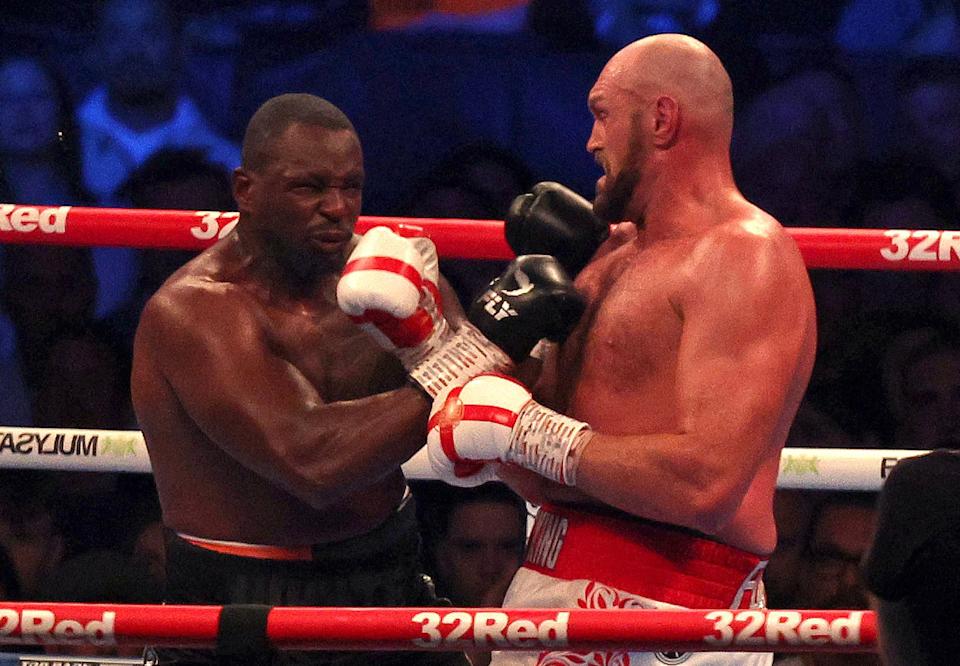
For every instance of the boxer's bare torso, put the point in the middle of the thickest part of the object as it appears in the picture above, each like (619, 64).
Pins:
(222, 472)
(629, 369)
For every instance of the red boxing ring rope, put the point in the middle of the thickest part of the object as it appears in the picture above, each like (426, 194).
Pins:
(449, 629)
(878, 249)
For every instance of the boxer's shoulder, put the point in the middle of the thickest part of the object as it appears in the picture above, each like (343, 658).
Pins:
(752, 241)
(198, 301)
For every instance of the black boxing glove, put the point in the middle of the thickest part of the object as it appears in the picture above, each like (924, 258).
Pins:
(555, 220)
(533, 299)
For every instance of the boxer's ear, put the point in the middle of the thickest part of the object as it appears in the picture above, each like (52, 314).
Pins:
(666, 121)
(241, 185)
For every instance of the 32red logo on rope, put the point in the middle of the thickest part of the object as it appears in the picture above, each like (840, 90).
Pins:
(214, 224)
(921, 245)
(27, 219)
(42, 626)
(752, 627)
(489, 629)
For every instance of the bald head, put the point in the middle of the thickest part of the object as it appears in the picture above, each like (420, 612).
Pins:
(680, 67)
(662, 105)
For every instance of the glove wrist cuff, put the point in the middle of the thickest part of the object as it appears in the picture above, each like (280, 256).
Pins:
(454, 360)
(548, 443)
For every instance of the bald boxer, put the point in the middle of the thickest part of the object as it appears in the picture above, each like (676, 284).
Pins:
(276, 426)
(654, 439)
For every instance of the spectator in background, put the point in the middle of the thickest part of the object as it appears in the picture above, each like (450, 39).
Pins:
(902, 192)
(469, 15)
(852, 374)
(619, 22)
(139, 108)
(911, 565)
(921, 380)
(100, 576)
(136, 111)
(793, 510)
(496, 174)
(841, 530)
(829, 573)
(901, 27)
(39, 150)
(474, 542)
(39, 164)
(796, 147)
(83, 382)
(44, 290)
(28, 528)
(473, 539)
(929, 116)
(563, 25)
(177, 179)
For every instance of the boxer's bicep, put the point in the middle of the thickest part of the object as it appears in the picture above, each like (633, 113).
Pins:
(234, 388)
(744, 334)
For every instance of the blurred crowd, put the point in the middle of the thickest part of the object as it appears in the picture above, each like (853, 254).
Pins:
(848, 115)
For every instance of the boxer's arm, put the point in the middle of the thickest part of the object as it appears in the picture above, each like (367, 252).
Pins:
(262, 411)
(745, 352)
(452, 308)
(538, 489)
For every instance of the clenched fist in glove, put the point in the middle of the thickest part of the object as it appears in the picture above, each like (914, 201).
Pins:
(495, 418)
(553, 219)
(389, 288)
(533, 299)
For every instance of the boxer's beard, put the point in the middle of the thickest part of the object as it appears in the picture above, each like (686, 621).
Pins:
(611, 203)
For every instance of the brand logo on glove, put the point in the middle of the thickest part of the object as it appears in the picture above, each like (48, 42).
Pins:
(497, 307)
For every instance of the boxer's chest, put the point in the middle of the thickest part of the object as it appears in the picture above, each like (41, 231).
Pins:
(332, 353)
(631, 331)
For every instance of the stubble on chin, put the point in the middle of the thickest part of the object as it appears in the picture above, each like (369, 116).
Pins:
(610, 205)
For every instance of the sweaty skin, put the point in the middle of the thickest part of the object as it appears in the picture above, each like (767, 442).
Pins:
(700, 333)
(269, 416)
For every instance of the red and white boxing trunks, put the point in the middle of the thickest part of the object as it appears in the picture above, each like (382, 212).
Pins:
(577, 559)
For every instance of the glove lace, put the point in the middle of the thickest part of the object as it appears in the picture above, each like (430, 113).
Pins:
(548, 443)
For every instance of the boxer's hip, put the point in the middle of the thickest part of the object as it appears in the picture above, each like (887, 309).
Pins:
(380, 568)
(585, 560)
(650, 560)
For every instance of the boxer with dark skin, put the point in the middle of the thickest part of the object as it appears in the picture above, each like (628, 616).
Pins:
(270, 417)
(275, 426)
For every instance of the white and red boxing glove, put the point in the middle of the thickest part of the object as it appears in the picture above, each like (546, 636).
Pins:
(495, 418)
(389, 288)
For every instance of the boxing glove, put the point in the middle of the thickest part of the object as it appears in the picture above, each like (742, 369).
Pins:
(389, 288)
(533, 299)
(495, 418)
(553, 219)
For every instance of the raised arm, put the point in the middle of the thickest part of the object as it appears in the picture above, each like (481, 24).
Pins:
(744, 359)
(260, 409)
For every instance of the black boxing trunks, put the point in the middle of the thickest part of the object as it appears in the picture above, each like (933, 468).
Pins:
(380, 568)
